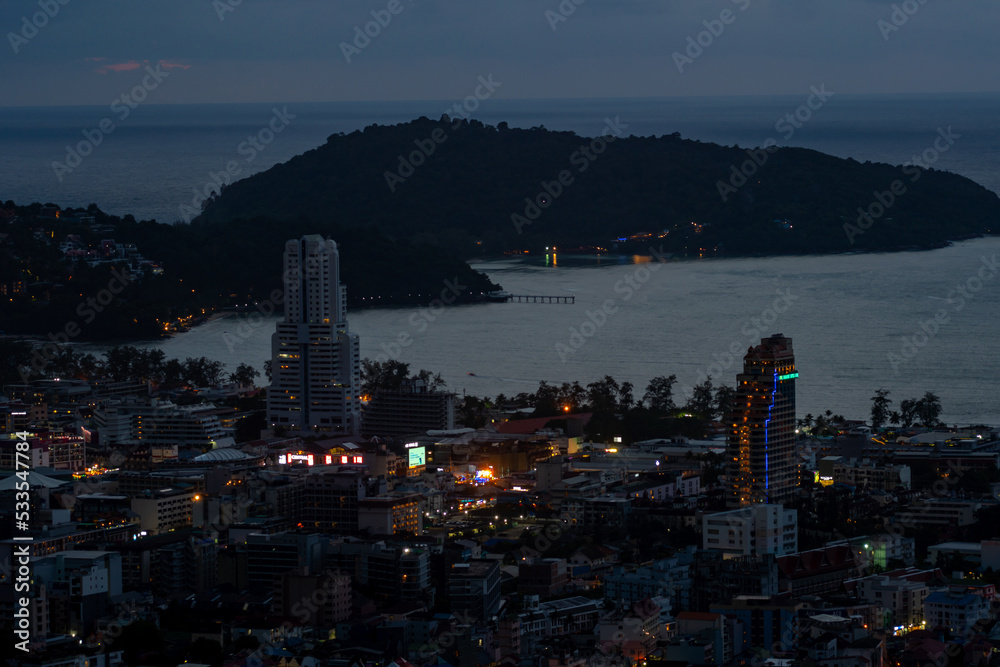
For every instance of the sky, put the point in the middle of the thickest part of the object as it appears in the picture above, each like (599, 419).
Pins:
(79, 52)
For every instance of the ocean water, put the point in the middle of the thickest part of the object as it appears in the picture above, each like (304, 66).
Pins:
(858, 323)
(154, 160)
(909, 322)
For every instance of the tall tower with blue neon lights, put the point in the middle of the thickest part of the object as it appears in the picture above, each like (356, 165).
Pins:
(760, 446)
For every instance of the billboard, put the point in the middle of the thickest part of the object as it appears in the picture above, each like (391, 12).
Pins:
(417, 457)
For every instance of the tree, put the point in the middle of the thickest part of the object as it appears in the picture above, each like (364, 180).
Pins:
(603, 394)
(267, 371)
(626, 398)
(806, 423)
(118, 363)
(702, 401)
(382, 376)
(907, 412)
(434, 381)
(659, 394)
(244, 375)
(724, 399)
(173, 373)
(880, 408)
(202, 372)
(928, 409)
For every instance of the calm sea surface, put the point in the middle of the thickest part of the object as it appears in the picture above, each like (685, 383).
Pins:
(846, 314)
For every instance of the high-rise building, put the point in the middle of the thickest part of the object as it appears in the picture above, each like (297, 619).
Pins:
(761, 427)
(315, 360)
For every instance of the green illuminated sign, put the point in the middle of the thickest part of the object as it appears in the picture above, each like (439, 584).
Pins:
(790, 376)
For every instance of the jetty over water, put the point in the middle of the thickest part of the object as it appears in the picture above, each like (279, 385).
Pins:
(530, 298)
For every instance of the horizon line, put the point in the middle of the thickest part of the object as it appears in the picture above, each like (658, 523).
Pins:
(525, 99)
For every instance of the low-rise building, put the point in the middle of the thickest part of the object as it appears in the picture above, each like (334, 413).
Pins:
(955, 613)
(900, 592)
(165, 509)
(753, 530)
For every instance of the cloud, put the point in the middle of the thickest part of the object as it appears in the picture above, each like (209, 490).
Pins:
(121, 67)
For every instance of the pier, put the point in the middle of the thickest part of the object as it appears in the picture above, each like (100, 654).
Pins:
(530, 298)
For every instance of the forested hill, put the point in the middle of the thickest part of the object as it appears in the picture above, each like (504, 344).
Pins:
(469, 182)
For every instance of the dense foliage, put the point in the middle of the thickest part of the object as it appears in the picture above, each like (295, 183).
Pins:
(206, 267)
(463, 196)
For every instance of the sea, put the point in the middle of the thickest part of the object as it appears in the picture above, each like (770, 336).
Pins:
(909, 322)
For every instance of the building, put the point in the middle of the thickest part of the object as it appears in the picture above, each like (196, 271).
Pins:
(389, 572)
(717, 578)
(163, 510)
(768, 623)
(321, 600)
(864, 474)
(885, 550)
(667, 578)
(269, 556)
(817, 571)
(938, 513)
(66, 453)
(78, 586)
(716, 628)
(388, 515)
(543, 577)
(752, 530)
(901, 593)
(169, 565)
(315, 360)
(159, 424)
(474, 589)
(166, 424)
(558, 618)
(415, 408)
(955, 612)
(760, 446)
(633, 632)
(331, 499)
(593, 512)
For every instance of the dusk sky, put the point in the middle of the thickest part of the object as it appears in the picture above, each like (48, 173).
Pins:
(90, 52)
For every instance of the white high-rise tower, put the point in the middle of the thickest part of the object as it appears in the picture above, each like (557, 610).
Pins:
(315, 360)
